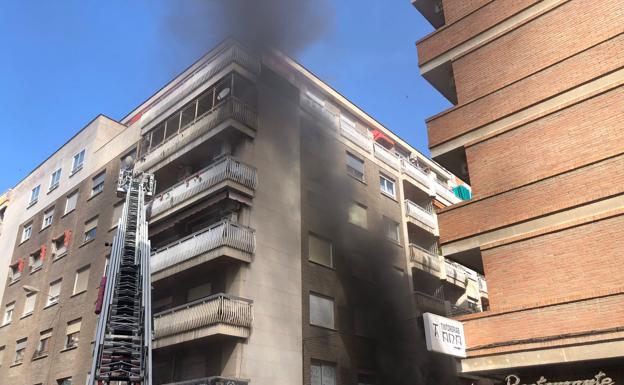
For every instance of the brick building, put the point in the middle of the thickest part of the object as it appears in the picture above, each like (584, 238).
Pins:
(537, 130)
(277, 199)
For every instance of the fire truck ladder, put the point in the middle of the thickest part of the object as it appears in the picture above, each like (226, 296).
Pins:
(122, 351)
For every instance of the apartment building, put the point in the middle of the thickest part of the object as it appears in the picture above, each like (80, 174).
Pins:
(536, 129)
(279, 204)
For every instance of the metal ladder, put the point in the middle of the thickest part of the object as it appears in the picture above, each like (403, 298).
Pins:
(122, 351)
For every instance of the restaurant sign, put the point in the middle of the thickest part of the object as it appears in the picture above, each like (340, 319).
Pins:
(444, 335)
(599, 379)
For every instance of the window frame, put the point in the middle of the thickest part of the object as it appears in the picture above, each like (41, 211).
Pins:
(51, 299)
(55, 179)
(365, 208)
(323, 364)
(78, 161)
(27, 228)
(333, 310)
(353, 172)
(81, 270)
(9, 309)
(44, 339)
(68, 198)
(383, 182)
(90, 229)
(26, 313)
(72, 339)
(397, 228)
(20, 352)
(331, 250)
(34, 195)
(48, 214)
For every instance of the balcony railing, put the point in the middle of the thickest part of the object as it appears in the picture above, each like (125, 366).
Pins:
(424, 257)
(443, 191)
(212, 381)
(205, 312)
(420, 213)
(231, 108)
(455, 273)
(415, 172)
(360, 139)
(223, 233)
(386, 156)
(224, 169)
(482, 284)
(233, 55)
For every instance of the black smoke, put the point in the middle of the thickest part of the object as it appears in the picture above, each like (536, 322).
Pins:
(287, 25)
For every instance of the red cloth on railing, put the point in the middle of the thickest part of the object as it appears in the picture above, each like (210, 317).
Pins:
(67, 237)
(100, 297)
(378, 136)
(20, 264)
(43, 252)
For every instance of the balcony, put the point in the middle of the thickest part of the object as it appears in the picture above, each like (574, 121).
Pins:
(349, 131)
(386, 156)
(219, 314)
(223, 172)
(425, 259)
(422, 215)
(442, 190)
(232, 112)
(212, 381)
(415, 172)
(483, 290)
(223, 239)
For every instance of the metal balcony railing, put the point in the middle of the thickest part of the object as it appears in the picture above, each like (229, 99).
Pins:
(424, 257)
(415, 172)
(355, 136)
(226, 168)
(386, 156)
(231, 108)
(420, 213)
(224, 233)
(208, 311)
(212, 381)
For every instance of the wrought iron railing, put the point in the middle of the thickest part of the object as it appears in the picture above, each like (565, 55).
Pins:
(212, 310)
(226, 168)
(224, 233)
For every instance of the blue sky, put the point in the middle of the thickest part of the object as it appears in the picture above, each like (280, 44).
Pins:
(65, 62)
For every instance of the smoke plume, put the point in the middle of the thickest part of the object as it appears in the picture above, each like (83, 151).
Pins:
(287, 25)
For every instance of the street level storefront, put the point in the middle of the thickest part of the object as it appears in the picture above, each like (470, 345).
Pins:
(602, 372)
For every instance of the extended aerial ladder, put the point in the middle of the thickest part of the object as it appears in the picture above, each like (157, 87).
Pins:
(123, 342)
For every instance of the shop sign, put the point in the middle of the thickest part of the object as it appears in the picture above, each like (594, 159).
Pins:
(444, 335)
(599, 379)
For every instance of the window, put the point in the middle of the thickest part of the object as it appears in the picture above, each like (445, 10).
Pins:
(59, 246)
(34, 195)
(319, 250)
(8, 313)
(54, 292)
(97, 183)
(44, 342)
(90, 229)
(358, 215)
(15, 272)
(78, 161)
(82, 280)
(48, 217)
(73, 333)
(322, 373)
(2, 348)
(55, 180)
(392, 229)
(316, 99)
(321, 311)
(117, 211)
(64, 381)
(29, 304)
(70, 204)
(35, 261)
(355, 166)
(387, 186)
(20, 349)
(27, 232)
(200, 291)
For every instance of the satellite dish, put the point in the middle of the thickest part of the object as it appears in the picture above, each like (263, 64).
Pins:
(223, 94)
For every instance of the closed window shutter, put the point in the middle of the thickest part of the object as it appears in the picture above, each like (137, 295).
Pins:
(74, 327)
(82, 279)
(29, 305)
(319, 250)
(21, 344)
(46, 334)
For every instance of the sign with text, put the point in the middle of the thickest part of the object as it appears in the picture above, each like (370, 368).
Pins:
(444, 335)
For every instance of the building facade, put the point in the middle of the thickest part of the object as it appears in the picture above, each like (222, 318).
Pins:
(284, 218)
(536, 129)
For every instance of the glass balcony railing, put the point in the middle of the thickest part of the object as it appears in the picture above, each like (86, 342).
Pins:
(224, 169)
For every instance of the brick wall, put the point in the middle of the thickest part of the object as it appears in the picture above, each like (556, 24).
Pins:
(456, 9)
(466, 28)
(570, 263)
(542, 42)
(583, 316)
(604, 57)
(582, 185)
(561, 142)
